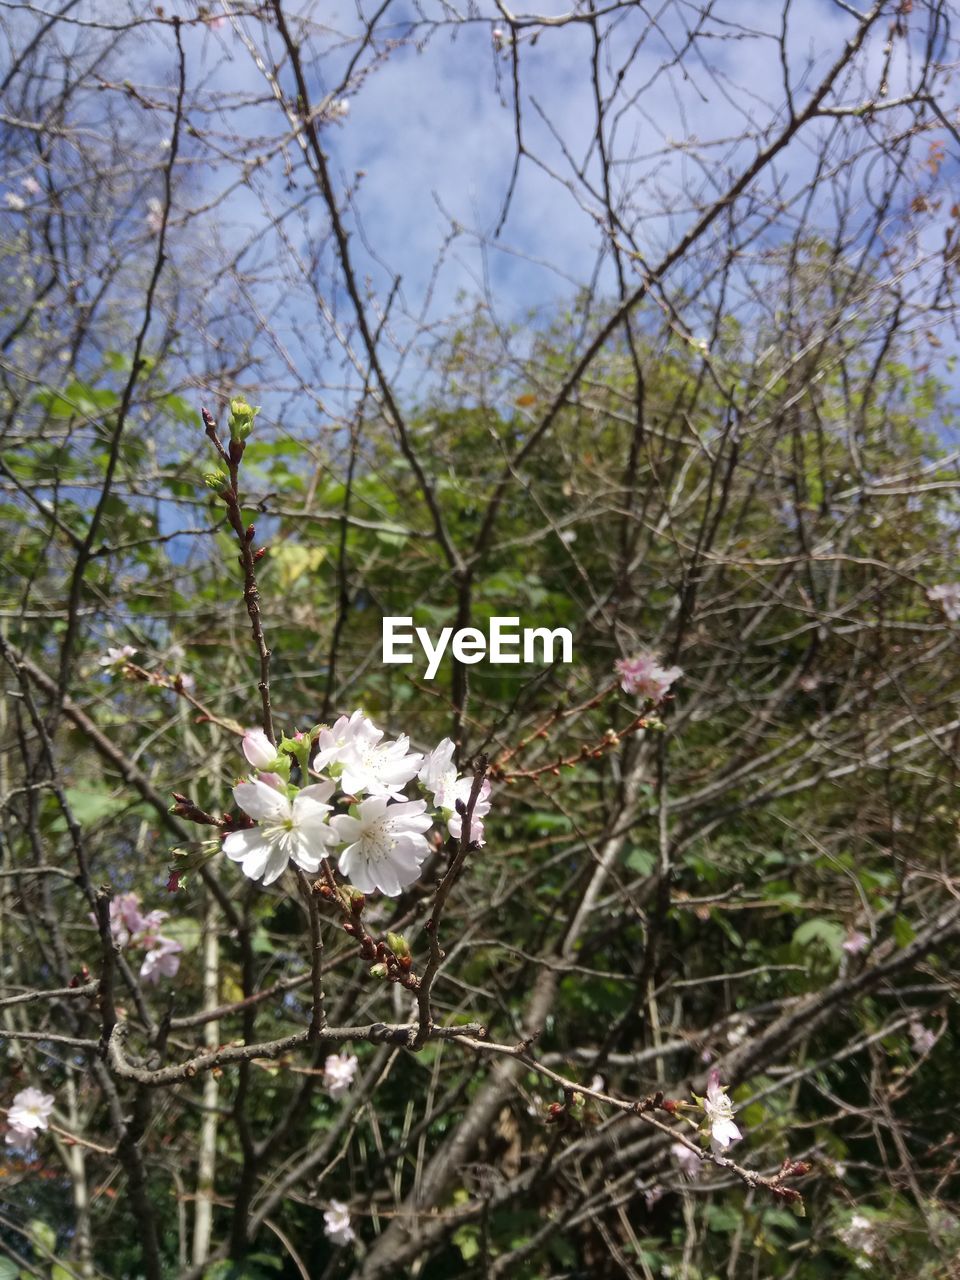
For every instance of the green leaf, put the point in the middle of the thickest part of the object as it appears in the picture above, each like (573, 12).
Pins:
(641, 861)
(903, 931)
(825, 933)
(721, 1218)
(183, 930)
(467, 1240)
(89, 806)
(42, 1235)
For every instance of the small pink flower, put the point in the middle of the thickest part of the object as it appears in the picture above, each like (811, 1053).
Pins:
(31, 186)
(921, 1037)
(163, 960)
(688, 1160)
(125, 918)
(855, 942)
(653, 1194)
(644, 675)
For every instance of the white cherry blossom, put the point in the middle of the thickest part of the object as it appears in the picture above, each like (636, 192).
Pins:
(28, 1115)
(385, 844)
(719, 1113)
(333, 742)
(947, 596)
(336, 1223)
(338, 1073)
(116, 657)
(375, 767)
(287, 830)
(480, 811)
(439, 776)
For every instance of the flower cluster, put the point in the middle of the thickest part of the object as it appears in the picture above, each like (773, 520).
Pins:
(357, 809)
(130, 928)
(645, 675)
(27, 1116)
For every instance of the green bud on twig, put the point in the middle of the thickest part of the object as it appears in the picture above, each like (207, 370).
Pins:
(241, 418)
(398, 945)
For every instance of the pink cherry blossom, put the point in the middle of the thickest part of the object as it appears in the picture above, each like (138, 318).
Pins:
(922, 1038)
(688, 1160)
(855, 942)
(643, 674)
(162, 961)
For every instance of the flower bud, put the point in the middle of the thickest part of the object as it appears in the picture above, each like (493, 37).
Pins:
(258, 749)
(398, 945)
(355, 900)
(378, 971)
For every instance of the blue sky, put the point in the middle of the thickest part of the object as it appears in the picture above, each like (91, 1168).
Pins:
(431, 126)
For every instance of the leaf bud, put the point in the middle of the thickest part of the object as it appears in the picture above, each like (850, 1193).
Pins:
(398, 945)
(241, 419)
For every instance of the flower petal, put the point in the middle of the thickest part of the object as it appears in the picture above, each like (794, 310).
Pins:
(240, 844)
(356, 868)
(276, 864)
(261, 802)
